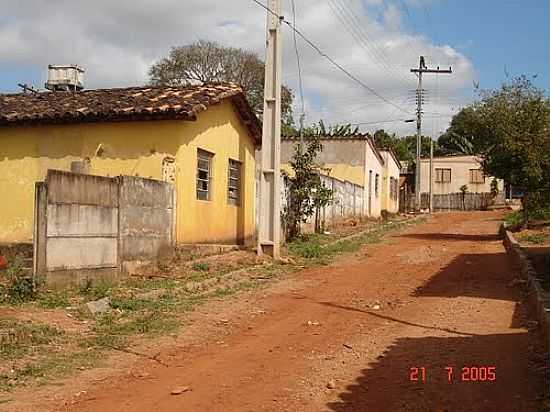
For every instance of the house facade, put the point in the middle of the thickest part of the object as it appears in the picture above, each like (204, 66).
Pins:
(201, 139)
(390, 181)
(357, 161)
(450, 173)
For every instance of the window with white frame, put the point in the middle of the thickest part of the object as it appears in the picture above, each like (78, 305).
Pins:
(204, 175)
(234, 182)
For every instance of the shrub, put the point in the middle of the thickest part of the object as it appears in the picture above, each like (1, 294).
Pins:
(200, 266)
(514, 220)
(20, 286)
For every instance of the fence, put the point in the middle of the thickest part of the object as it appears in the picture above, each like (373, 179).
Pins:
(92, 226)
(450, 201)
(347, 200)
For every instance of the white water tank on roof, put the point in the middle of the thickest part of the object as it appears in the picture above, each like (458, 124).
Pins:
(65, 77)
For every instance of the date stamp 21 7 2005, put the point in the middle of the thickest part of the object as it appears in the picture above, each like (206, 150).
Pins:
(464, 374)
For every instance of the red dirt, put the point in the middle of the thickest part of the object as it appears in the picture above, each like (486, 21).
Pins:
(443, 302)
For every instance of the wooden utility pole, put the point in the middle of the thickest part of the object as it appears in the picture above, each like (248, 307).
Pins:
(419, 95)
(269, 231)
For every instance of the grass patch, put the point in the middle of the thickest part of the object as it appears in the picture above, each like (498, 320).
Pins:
(54, 299)
(18, 339)
(200, 266)
(50, 366)
(307, 249)
(316, 249)
(534, 238)
(94, 290)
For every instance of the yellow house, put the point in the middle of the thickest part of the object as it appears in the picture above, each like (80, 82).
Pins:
(200, 138)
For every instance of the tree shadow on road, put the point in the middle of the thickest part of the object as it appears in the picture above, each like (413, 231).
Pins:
(385, 385)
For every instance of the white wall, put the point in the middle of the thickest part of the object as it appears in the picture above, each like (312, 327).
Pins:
(391, 169)
(373, 168)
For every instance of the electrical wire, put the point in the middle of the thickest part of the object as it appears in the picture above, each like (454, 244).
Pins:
(352, 24)
(327, 57)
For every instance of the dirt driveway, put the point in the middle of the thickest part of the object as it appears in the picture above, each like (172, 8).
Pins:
(345, 337)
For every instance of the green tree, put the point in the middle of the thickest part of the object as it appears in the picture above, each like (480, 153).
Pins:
(515, 122)
(321, 130)
(464, 135)
(404, 147)
(206, 62)
(306, 194)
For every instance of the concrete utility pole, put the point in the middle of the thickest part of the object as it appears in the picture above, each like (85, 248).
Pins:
(431, 174)
(269, 231)
(419, 96)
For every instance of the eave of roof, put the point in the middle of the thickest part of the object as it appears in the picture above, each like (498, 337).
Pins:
(125, 104)
(375, 149)
(392, 153)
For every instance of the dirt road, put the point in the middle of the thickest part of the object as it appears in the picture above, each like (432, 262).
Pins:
(432, 297)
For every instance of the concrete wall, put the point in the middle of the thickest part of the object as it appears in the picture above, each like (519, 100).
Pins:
(146, 218)
(93, 226)
(391, 171)
(460, 175)
(347, 200)
(135, 149)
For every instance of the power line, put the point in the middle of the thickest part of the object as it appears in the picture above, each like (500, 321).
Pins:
(378, 122)
(352, 24)
(327, 57)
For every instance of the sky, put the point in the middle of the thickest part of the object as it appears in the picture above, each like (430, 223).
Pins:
(377, 41)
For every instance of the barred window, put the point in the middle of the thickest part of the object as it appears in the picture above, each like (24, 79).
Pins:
(234, 182)
(204, 174)
(443, 175)
(476, 176)
(376, 185)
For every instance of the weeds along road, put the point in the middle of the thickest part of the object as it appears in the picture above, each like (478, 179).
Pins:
(435, 296)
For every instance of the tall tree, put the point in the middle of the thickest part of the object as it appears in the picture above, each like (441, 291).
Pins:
(206, 61)
(464, 135)
(515, 147)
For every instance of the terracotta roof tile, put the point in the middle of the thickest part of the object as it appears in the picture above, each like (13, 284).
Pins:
(124, 104)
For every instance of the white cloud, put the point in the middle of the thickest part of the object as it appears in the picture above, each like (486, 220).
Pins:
(116, 42)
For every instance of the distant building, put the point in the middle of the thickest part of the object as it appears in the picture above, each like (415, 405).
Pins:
(450, 173)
